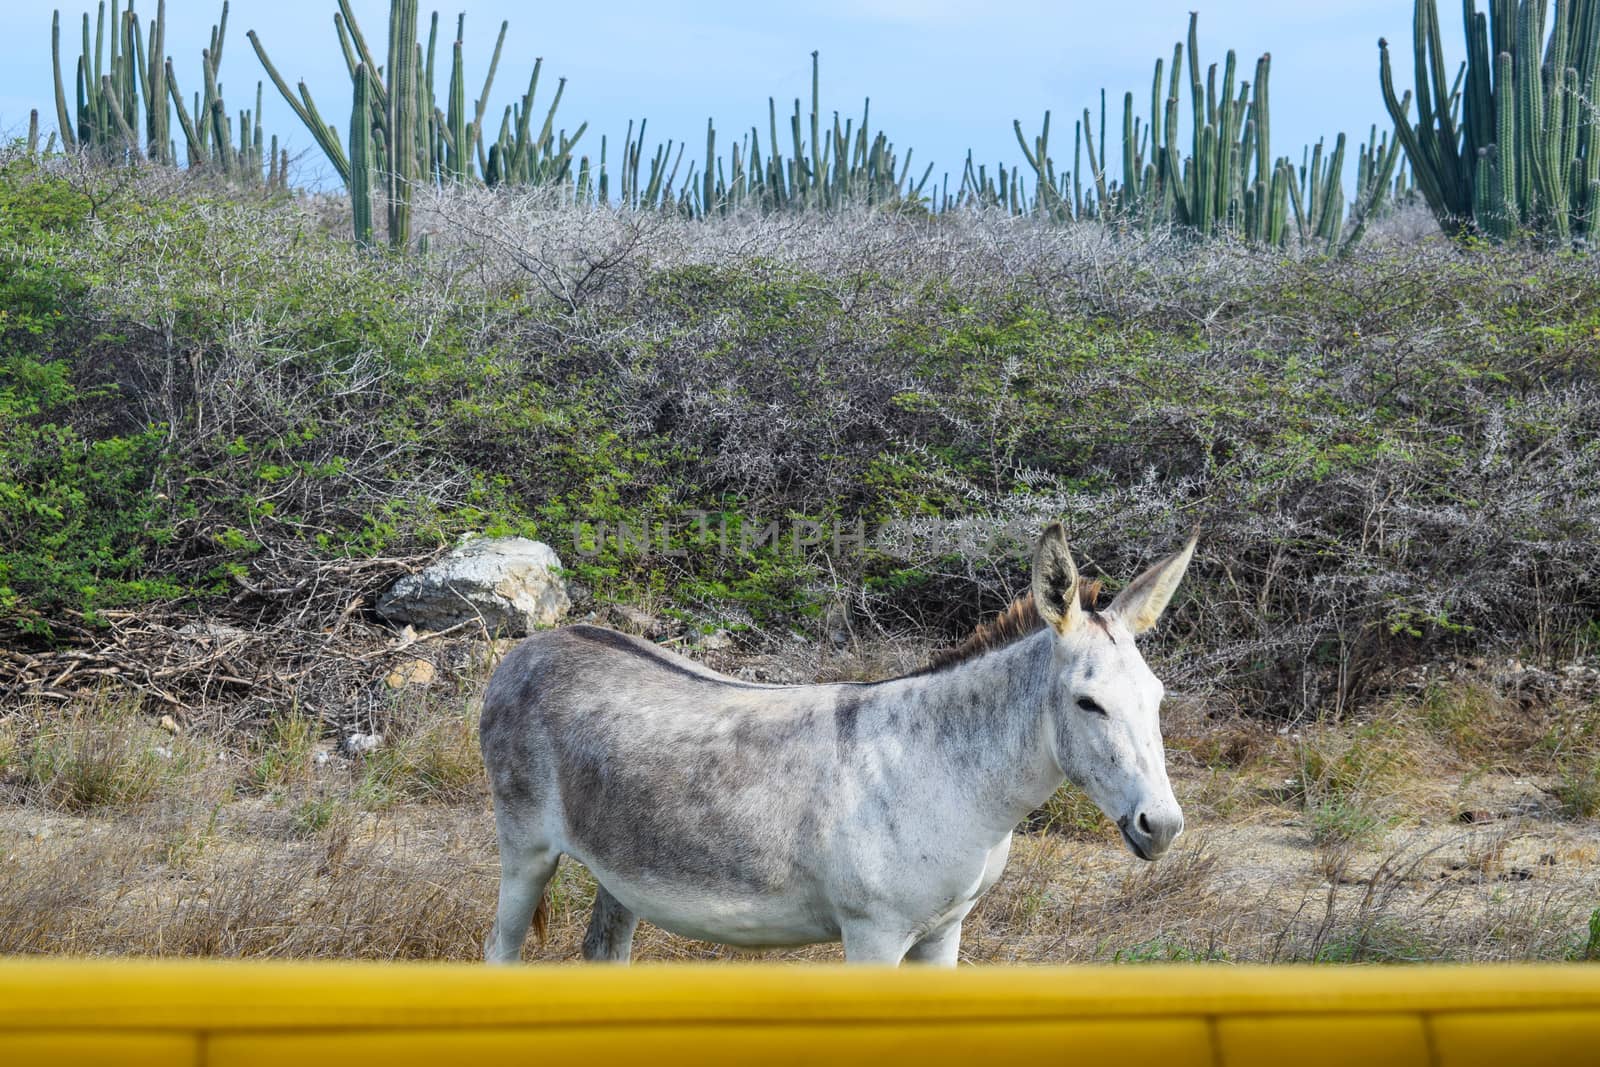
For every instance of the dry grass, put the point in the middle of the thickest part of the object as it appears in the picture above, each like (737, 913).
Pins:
(429, 755)
(97, 756)
(281, 846)
(1578, 788)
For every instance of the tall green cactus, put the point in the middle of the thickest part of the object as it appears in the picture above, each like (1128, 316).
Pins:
(361, 156)
(829, 166)
(413, 139)
(139, 81)
(1376, 185)
(401, 131)
(1229, 182)
(1523, 158)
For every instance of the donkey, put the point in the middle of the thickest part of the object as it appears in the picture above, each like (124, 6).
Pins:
(876, 813)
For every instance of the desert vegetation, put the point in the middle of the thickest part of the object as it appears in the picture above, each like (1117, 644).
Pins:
(1390, 454)
(1502, 152)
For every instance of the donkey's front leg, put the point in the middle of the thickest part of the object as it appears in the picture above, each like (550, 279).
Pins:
(869, 942)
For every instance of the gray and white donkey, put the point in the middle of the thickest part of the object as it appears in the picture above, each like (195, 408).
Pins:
(877, 813)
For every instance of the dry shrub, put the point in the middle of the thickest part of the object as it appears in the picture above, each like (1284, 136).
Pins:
(283, 754)
(1484, 853)
(55, 894)
(97, 756)
(121, 893)
(1232, 742)
(1578, 786)
(1349, 780)
(381, 905)
(1477, 723)
(429, 754)
(1070, 813)
(1181, 880)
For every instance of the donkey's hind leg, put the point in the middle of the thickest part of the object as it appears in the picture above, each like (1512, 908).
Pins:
(941, 947)
(524, 874)
(611, 927)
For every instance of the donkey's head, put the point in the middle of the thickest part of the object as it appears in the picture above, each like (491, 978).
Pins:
(1105, 700)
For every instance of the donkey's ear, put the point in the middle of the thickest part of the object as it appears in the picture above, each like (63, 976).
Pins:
(1141, 603)
(1055, 581)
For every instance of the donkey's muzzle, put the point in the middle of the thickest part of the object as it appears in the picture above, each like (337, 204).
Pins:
(1149, 832)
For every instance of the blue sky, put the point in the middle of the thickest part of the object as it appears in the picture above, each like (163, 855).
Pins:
(943, 76)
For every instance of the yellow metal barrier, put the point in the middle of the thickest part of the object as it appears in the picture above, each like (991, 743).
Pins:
(230, 1014)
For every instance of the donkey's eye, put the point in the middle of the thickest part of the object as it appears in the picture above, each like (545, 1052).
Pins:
(1091, 705)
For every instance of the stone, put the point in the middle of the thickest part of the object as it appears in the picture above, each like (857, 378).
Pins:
(411, 672)
(716, 642)
(509, 583)
(632, 620)
(359, 744)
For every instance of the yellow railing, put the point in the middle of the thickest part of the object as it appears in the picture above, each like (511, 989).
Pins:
(65, 1012)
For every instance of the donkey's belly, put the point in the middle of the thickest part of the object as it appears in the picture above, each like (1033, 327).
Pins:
(723, 914)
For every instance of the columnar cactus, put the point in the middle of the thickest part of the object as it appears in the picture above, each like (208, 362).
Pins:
(400, 132)
(1228, 183)
(413, 139)
(361, 155)
(829, 166)
(1523, 158)
(124, 82)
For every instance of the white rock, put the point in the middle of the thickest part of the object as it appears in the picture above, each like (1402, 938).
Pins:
(717, 641)
(507, 582)
(359, 744)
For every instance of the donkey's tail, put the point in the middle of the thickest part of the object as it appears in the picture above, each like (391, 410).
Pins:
(541, 917)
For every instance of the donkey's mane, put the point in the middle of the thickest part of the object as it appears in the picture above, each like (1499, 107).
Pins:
(1019, 619)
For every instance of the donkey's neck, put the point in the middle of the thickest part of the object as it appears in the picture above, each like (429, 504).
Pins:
(988, 722)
